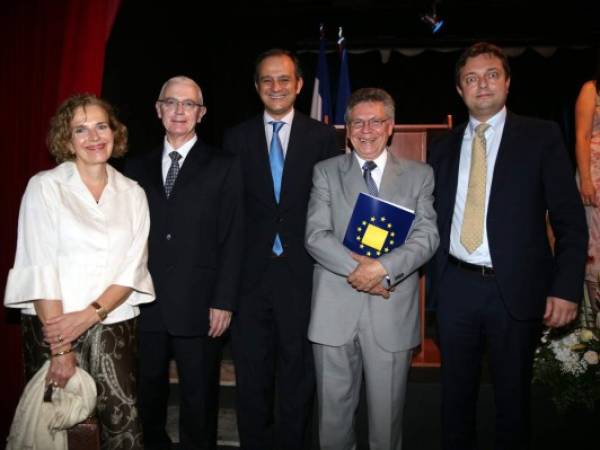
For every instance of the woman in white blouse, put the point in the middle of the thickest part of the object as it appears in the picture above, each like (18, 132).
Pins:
(80, 268)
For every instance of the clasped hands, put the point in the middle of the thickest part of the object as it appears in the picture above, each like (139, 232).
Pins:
(60, 332)
(368, 275)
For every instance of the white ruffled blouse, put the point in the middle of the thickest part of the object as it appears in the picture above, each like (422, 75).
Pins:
(71, 248)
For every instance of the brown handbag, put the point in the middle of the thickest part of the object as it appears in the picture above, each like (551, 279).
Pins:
(85, 435)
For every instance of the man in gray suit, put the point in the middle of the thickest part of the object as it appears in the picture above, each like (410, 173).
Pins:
(365, 310)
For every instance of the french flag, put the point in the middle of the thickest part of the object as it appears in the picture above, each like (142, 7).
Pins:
(320, 108)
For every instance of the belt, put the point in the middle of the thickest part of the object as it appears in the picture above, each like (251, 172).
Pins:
(484, 271)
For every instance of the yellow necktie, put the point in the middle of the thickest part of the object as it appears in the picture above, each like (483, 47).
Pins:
(471, 235)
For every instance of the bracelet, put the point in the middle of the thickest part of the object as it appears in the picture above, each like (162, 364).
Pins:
(61, 353)
(100, 310)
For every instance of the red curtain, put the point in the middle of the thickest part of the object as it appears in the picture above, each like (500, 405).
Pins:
(49, 50)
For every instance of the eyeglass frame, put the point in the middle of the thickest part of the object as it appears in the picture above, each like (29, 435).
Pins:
(173, 104)
(374, 123)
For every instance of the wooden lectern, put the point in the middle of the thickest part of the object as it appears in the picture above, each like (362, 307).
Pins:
(410, 141)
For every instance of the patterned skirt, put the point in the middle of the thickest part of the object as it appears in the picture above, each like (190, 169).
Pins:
(107, 353)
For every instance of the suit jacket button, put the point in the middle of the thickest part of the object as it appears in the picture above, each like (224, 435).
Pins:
(168, 236)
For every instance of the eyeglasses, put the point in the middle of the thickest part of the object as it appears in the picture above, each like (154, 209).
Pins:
(173, 104)
(373, 123)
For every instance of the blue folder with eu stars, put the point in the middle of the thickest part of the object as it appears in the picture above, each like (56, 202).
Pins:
(377, 226)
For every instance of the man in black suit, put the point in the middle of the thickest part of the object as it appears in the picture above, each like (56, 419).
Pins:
(494, 275)
(195, 248)
(278, 150)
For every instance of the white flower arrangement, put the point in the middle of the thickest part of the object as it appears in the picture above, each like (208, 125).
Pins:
(567, 362)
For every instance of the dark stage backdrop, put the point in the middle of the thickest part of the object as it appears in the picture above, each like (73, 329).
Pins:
(218, 49)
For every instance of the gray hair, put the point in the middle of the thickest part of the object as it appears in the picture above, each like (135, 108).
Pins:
(180, 79)
(371, 95)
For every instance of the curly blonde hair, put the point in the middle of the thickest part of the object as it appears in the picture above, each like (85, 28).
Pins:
(60, 133)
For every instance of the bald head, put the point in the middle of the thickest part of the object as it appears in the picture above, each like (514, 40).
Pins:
(181, 79)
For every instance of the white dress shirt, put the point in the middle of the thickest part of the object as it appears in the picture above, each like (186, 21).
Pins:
(493, 136)
(377, 172)
(183, 151)
(71, 248)
(284, 132)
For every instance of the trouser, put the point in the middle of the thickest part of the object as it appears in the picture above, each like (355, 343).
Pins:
(273, 363)
(471, 317)
(196, 358)
(339, 374)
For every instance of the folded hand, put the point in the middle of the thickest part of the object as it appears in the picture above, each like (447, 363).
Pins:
(66, 328)
(367, 275)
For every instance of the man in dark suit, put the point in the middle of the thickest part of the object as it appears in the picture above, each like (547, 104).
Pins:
(494, 275)
(195, 248)
(278, 150)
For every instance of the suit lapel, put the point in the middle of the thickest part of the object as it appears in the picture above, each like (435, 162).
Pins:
(451, 172)
(389, 181)
(352, 181)
(258, 161)
(293, 159)
(508, 146)
(192, 166)
(154, 174)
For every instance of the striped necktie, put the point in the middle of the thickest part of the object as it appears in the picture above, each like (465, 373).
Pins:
(367, 167)
(172, 173)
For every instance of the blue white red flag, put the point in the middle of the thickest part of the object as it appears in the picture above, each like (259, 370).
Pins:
(320, 108)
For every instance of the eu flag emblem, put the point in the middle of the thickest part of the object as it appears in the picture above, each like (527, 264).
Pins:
(376, 226)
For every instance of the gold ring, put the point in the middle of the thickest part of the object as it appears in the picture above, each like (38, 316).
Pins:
(55, 384)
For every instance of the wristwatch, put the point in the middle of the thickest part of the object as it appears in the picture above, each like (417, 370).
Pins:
(102, 313)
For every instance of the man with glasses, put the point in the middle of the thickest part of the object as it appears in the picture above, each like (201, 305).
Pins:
(364, 310)
(278, 150)
(495, 277)
(195, 247)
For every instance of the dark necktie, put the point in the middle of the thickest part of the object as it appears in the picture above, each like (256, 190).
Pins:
(172, 173)
(276, 161)
(367, 167)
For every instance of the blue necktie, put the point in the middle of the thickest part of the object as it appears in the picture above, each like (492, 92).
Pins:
(367, 167)
(276, 161)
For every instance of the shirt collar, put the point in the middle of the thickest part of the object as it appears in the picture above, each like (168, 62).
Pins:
(497, 119)
(381, 160)
(183, 150)
(70, 176)
(288, 118)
